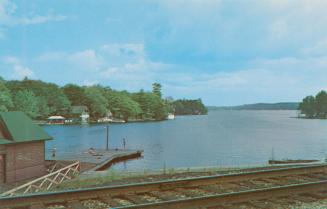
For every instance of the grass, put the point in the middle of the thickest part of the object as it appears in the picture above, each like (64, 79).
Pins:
(110, 176)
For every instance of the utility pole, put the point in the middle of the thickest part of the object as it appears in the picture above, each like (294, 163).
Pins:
(107, 147)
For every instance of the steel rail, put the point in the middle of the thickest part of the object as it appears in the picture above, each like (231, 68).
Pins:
(88, 193)
(234, 197)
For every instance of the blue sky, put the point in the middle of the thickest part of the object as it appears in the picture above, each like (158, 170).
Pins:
(226, 52)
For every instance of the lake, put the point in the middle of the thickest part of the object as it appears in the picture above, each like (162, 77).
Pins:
(221, 138)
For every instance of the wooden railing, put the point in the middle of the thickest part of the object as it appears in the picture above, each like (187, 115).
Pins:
(55, 166)
(46, 182)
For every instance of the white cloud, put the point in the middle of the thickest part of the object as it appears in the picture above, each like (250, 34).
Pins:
(192, 5)
(19, 71)
(263, 80)
(124, 65)
(6, 9)
(278, 29)
(317, 49)
(8, 18)
(289, 77)
(224, 27)
(39, 19)
(11, 60)
(52, 56)
(90, 82)
(87, 59)
(130, 49)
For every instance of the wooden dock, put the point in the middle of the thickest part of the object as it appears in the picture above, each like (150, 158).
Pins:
(99, 159)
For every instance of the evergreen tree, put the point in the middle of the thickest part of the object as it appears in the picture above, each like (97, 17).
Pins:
(308, 106)
(321, 104)
(156, 89)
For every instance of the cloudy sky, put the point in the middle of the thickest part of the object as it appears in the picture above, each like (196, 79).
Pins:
(226, 52)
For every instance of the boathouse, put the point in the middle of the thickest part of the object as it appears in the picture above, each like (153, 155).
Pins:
(81, 112)
(22, 148)
(56, 119)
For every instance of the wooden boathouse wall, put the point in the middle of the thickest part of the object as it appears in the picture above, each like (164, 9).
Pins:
(23, 161)
(22, 148)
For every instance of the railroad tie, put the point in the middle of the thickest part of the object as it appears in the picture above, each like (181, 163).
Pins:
(303, 198)
(264, 203)
(75, 204)
(135, 199)
(109, 201)
(37, 206)
(318, 196)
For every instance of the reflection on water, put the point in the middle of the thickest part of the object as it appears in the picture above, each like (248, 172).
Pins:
(220, 138)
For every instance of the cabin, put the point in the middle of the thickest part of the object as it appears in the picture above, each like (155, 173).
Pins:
(107, 118)
(82, 112)
(22, 148)
(56, 119)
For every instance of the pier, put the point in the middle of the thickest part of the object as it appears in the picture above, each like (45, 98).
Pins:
(97, 159)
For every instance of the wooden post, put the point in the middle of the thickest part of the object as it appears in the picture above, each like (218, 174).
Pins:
(107, 145)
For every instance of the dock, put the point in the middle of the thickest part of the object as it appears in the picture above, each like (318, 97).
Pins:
(97, 159)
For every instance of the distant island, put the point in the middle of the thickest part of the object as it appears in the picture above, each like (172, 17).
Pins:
(259, 106)
(314, 107)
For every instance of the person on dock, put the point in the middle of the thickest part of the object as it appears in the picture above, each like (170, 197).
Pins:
(124, 143)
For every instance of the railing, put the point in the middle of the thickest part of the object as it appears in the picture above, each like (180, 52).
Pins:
(56, 166)
(46, 182)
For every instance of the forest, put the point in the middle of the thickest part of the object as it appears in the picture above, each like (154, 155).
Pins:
(39, 100)
(189, 107)
(314, 106)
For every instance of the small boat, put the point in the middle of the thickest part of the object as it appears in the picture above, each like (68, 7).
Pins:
(171, 116)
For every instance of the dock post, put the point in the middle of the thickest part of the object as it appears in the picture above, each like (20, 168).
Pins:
(107, 145)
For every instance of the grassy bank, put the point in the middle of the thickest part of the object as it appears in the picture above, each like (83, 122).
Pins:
(115, 177)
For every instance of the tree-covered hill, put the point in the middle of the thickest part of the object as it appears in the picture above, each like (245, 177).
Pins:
(40, 99)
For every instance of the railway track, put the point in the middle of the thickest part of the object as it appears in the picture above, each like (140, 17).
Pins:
(259, 189)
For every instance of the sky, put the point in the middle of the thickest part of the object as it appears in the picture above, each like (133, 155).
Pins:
(226, 52)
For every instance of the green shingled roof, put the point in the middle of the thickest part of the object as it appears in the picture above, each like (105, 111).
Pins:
(20, 128)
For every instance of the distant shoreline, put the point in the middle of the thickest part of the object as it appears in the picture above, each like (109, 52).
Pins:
(259, 106)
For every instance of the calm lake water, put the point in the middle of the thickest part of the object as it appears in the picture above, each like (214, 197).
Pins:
(221, 138)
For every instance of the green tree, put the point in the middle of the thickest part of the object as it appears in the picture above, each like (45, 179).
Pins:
(144, 103)
(122, 105)
(96, 102)
(321, 104)
(27, 102)
(56, 100)
(156, 89)
(75, 94)
(308, 107)
(153, 107)
(128, 108)
(6, 102)
(44, 110)
(189, 107)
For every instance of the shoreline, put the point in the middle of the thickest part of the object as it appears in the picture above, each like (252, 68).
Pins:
(44, 123)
